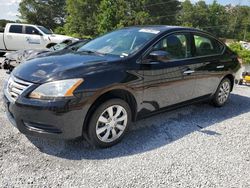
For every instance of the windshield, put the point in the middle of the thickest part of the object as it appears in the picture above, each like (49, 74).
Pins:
(45, 30)
(121, 42)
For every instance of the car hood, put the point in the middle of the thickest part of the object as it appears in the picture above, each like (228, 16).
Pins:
(56, 38)
(61, 65)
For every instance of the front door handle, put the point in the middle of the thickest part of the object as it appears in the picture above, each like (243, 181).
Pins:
(189, 72)
(220, 67)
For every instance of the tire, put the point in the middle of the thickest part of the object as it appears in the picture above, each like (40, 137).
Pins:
(103, 126)
(222, 93)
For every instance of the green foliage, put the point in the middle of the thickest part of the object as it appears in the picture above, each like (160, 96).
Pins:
(94, 17)
(114, 14)
(223, 21)
(3, 23)
(243, 53)
(82, 16)
(162, 12)
(49, 13)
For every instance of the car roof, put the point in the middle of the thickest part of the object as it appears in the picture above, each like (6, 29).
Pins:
(23, 24)
(163, 28)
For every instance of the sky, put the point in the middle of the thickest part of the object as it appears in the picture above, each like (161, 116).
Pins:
(9, 8)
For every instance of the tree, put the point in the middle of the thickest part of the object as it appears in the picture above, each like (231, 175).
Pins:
(119, 13)
(162, 12)
(94, 17)
(3, 23)
(82, 17)
(217, 19)
(186, 15)
(49, 13)
(114, 14)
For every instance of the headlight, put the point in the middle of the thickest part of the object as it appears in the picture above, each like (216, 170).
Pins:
(62, 88)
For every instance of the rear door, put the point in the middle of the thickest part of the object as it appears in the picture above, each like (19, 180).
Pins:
(210, 64)
(15, 38)
(169, 80)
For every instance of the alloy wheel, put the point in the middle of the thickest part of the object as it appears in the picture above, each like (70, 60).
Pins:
(224, 92)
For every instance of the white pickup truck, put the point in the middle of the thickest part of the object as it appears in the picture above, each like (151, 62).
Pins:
(25, 36)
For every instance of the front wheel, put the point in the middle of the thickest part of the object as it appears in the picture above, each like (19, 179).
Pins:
(109, 123)
(222, 94)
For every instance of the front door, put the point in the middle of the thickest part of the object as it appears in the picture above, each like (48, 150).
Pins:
(34, 39)
(168, 73)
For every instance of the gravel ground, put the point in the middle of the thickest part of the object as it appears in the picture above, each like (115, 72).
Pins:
(196, 146)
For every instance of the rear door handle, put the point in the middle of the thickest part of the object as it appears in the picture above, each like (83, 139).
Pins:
(220, 67)
(189, 72)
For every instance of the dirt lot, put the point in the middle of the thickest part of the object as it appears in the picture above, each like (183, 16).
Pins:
(196, 146)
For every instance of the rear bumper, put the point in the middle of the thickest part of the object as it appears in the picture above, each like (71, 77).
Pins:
(56, 119)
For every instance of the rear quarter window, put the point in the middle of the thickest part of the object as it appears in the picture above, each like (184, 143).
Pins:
(16, 29)
(205, 45)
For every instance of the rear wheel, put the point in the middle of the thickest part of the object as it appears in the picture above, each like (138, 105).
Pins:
(109, 123)
(222, 94)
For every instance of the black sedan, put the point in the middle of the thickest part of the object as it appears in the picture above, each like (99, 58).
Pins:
(117, 78)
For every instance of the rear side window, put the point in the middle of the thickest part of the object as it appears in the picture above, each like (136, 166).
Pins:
(207, 46)
(31, 30)
(16, 29)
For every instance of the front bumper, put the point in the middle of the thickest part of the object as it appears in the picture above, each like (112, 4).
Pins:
(62, 119)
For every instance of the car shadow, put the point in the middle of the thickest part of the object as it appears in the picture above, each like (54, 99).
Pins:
(152, 133)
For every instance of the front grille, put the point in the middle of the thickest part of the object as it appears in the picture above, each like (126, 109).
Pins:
(15, 87)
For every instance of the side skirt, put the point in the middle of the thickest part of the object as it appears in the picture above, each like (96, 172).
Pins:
(145, 113)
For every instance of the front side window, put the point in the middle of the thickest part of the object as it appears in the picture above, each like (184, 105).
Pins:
(16, 29)
(31, 31)
(206, 46)
(122, 42)
(176, 46)
(45, 30)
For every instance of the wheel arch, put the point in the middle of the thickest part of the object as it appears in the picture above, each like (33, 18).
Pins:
(231, 78)
(50, 45)
(123, 94)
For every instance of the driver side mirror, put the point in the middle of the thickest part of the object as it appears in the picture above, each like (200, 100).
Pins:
(159, 56)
